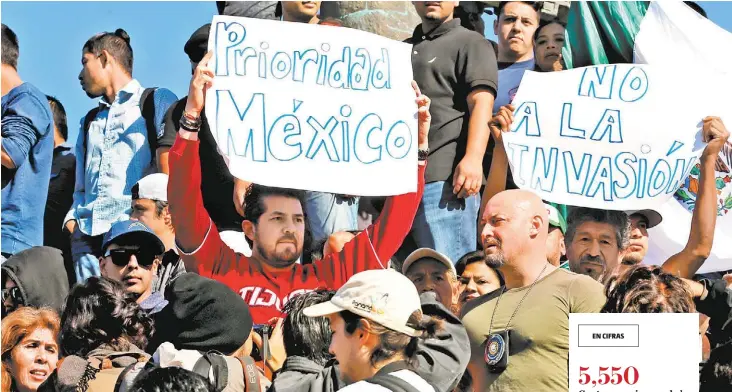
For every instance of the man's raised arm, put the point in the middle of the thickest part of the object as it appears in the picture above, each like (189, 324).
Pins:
(195, 234)
(685, 263)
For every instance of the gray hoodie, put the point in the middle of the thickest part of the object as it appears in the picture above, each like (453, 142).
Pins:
(441, 360)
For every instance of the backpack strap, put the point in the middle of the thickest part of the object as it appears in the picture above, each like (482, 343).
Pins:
(147, 108)
(251, 374)
(221, 373)
(386, 379)
(130, 373)
(84, 134)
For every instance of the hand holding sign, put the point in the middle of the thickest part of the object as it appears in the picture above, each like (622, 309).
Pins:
(715, 134)
(201, 81)
(501, 122)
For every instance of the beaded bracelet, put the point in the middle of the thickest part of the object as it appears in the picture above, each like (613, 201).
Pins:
(190, 123)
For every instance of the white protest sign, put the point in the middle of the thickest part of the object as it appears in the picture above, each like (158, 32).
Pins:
(611, 136)
(313, 107)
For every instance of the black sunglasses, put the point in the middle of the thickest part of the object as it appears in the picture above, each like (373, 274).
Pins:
(121, 257)
(12, 293)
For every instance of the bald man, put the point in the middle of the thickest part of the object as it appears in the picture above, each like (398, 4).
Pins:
(519, 334)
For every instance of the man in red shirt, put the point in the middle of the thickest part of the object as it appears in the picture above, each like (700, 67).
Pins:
(274, 224)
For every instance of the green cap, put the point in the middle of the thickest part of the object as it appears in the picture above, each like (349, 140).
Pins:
(557, 215)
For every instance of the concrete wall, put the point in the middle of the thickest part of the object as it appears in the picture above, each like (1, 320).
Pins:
(393, 19)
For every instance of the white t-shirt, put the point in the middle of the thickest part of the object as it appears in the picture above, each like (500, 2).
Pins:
(407, 375)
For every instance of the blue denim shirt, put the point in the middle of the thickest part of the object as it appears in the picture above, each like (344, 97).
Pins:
(117, 156)
(27, 137)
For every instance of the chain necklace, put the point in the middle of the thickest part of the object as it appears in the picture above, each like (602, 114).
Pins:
(490, 328)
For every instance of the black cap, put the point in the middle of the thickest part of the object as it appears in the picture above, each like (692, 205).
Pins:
(197, 45)
(202, 314)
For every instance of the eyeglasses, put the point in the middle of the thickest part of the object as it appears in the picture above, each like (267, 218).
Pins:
(12, 293)
(121, 257)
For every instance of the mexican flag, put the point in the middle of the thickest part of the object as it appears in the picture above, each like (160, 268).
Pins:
(672, 35)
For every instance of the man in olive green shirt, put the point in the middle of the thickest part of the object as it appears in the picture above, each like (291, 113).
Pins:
(529, 321)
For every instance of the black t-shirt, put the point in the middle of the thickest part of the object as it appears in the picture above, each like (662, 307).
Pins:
(448, 63)
(217, 183)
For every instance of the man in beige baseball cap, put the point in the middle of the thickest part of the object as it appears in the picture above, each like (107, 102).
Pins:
(432, 271)
(377, 321)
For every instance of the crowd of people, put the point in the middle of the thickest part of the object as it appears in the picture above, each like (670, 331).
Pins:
(154, 269)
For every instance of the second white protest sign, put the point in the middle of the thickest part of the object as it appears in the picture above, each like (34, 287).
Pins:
(611, 136)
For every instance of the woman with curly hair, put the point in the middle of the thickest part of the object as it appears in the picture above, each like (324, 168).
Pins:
(29, 348)
(102, 328)
(647, 289)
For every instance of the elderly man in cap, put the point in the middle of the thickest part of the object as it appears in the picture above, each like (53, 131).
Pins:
(431, 271)
(150, 206)
(131, 254)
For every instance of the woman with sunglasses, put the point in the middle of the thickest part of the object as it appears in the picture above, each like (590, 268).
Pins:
(29, 348)
(35, 277)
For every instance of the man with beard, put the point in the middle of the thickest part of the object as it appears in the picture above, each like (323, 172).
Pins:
(519, 335)
(114, 149)
(274, 224)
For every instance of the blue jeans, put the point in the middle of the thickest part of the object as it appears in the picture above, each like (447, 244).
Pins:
(328, 213)
(85, 251)
(446, 223)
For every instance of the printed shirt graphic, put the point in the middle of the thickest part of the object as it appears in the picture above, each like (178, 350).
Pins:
(267, 292)
(509, 79)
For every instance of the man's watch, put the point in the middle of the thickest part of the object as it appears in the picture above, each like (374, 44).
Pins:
(422, 154)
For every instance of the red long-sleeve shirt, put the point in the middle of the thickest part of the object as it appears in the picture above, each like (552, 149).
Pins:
(266, 292)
